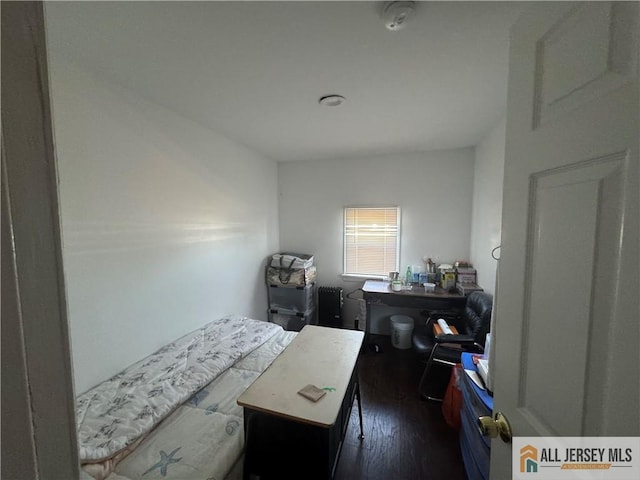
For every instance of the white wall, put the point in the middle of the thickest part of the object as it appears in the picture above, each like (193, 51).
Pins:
(434, 190)
(166, 225)
(487, 205)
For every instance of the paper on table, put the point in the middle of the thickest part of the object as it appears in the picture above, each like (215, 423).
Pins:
(312, 392)
(473, 375)
(445, 326)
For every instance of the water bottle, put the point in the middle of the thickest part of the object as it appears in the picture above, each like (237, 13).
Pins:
(409, 276)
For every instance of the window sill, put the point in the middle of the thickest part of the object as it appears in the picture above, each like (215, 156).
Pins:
(355, 277)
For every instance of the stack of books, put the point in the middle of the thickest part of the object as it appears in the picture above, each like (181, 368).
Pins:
(466, 278)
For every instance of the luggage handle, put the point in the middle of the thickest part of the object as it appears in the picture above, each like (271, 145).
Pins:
(287, 271)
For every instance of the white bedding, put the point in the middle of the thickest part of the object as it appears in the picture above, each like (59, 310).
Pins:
(118, 412)
(204, 438)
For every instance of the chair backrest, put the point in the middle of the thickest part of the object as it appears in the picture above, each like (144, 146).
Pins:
(478, 315)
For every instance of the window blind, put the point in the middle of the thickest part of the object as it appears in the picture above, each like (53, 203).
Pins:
(371, 240)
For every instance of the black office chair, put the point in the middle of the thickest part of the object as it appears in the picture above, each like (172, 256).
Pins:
(472, 325)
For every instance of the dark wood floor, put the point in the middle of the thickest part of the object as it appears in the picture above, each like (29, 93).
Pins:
(406, 438)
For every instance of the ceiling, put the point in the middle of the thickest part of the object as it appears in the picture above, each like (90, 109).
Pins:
(254, 71)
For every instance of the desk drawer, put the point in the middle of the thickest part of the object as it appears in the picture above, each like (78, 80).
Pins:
(453, 303)
(478, 447)
(473, 408)
(479, 450)
(470, 465)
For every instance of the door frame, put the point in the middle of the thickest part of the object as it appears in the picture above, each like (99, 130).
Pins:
(38, 407)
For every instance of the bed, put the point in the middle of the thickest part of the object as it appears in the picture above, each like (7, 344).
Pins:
(173, 415)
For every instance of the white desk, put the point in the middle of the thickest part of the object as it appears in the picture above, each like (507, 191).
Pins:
(324, 357)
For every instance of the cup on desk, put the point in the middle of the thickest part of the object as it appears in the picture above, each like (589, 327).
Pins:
(396, 285)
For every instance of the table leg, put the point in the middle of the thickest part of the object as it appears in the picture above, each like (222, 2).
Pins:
(361, 436)
(368, 344)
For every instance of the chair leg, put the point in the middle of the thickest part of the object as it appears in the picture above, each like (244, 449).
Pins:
(425, 374)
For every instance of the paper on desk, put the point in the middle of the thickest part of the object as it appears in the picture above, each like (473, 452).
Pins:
(444, 326)
(473, 375)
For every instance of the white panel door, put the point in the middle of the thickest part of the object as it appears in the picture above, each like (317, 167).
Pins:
(567, 322)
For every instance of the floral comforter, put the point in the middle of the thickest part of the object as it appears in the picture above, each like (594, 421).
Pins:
(118, 412)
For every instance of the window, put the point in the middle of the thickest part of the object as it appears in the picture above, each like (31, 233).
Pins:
(371, 240)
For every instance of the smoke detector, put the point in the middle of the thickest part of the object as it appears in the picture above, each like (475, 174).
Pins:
(396, 14)
(331, 100)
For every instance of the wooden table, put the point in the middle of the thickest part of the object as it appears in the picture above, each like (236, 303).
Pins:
(283, 428)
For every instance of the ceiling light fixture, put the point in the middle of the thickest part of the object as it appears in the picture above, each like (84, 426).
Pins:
(331, 100)
(396, 14)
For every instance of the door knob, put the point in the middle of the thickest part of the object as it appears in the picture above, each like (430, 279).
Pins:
(496, 426)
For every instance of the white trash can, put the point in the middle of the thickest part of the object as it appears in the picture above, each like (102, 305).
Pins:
(401, 331)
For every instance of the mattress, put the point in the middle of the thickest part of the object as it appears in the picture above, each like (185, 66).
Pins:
(201, 433)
